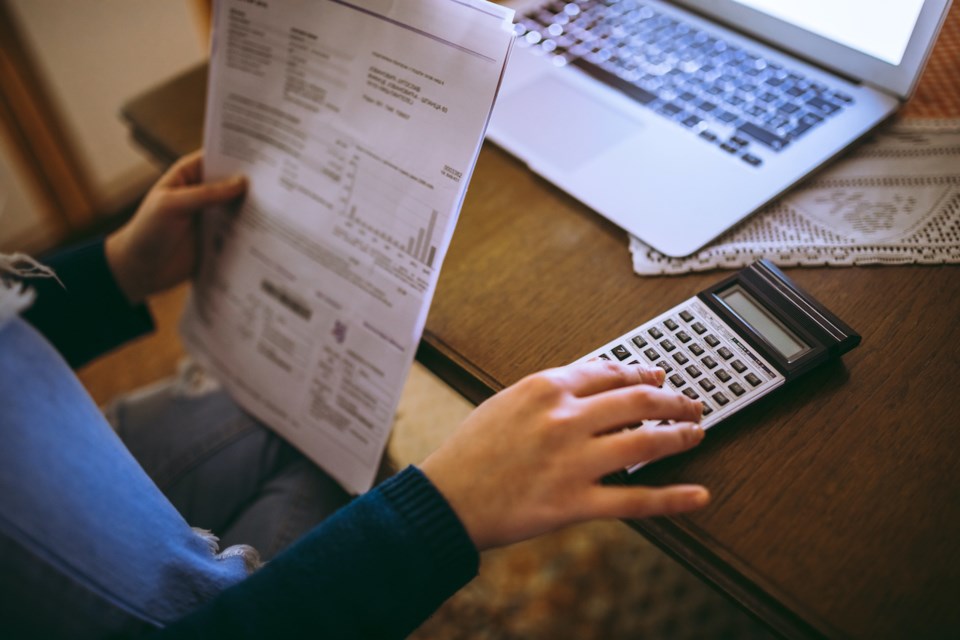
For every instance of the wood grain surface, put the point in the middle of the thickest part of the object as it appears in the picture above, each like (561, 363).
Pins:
(835, 506)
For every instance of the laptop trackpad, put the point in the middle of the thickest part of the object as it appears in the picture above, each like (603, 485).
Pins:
(563, 126)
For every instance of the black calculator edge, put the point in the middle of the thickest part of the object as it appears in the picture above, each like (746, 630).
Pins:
(847, 338)
(764, 275)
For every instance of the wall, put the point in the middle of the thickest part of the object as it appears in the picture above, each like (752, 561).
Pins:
(23, 214)
(94, 55)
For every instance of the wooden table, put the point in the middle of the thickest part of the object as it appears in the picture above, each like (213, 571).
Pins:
(836, 506)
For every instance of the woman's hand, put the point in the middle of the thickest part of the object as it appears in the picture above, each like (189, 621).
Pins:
(530, 459)
(158, 248)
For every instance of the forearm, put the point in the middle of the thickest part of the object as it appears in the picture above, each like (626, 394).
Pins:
(89, 314)
(376, 569)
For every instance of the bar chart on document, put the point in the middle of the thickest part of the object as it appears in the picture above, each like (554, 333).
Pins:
(382, 210)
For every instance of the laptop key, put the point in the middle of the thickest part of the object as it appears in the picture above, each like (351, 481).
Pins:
(777, 122)
(843, 97)
(763, 136)
(707, 106)
(799, 130)
(708, 136)
(823, 105)
(670, 109)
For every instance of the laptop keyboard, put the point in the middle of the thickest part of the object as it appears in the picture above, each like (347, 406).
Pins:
(725, 94)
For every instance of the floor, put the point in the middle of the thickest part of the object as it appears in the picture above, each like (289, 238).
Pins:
(599, 580)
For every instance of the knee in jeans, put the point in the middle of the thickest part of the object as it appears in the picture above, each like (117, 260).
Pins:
(249, 555)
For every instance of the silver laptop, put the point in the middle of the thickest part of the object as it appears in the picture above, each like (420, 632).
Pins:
(675, 120)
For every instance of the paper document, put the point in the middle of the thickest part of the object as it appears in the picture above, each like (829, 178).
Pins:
(358, 124)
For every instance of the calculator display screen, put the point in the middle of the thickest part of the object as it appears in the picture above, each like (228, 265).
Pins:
(768, 327)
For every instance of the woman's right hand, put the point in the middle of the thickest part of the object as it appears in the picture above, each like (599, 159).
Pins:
(530, 459)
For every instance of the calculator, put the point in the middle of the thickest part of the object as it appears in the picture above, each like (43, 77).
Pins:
(735, 342)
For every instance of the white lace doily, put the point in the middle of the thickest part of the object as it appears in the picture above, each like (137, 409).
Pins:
(894, 200)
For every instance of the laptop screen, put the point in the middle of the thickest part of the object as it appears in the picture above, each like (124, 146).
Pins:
(879, 29)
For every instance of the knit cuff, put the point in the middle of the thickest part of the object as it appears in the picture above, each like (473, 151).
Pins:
(416, 498)
(89, 314)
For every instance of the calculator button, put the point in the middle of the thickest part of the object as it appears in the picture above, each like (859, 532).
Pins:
(707, 409)
(677, 380)
(738, 366)
(706, 385)
(680, 358)
(720, 398)
(656, 333)
(753, 379)
(651, 354)
(639, 341)
(737, 389)
(696, 349)
(686, 315)
(698, 327)
(693, 371)
(621, 352)
(668, 346)
(712, 340)
(723, 375)
(663, 364)
(709, 362)
(671, 324)
(634, 362)
(690, 393)
(603, 356)
(725, 353)
(683, 336)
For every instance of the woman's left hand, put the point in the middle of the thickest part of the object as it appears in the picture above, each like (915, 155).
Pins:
(158, 248)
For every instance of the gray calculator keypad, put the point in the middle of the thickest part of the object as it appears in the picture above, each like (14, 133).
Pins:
(702, 357)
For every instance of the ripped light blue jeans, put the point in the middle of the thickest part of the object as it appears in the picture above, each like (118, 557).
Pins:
(94, 533)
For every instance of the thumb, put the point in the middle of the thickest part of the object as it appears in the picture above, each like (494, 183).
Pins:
(207, 194)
